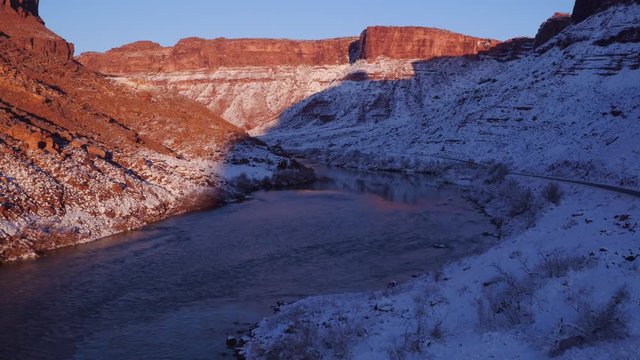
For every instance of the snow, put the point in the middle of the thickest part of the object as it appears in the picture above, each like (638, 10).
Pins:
(563, 281)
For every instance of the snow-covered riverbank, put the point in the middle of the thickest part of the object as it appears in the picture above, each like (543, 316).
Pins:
(567, 287)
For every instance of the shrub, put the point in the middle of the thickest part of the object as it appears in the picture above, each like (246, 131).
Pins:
(604, 323)
(496, 173)
(283, 164)
(518, 199)
(553, 193)
(243, 183)
(555, 265)
(304, 339)
(507, 302)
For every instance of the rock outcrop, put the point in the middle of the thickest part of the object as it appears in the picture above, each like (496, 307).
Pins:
(20, 20)
(417, 43)
(585, 8)
(552, 27)
(82, 158)
(512, 49)
(22, 8)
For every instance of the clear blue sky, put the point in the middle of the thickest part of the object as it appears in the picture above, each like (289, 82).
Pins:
(99, 25)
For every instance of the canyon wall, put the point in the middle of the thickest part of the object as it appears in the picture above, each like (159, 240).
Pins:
(196, 53)
(250, 82)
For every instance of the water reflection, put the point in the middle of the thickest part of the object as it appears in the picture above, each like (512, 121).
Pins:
(392, 187)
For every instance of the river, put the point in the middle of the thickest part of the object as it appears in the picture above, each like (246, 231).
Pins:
(176, 289)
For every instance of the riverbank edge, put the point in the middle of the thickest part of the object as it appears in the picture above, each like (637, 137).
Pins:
(291, 175)
(483, 182)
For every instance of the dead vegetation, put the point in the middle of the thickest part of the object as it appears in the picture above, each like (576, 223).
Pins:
(594, 323)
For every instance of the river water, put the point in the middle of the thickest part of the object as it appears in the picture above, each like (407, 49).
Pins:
(176, 289)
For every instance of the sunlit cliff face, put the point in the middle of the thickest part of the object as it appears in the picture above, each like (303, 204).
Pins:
(82, 158)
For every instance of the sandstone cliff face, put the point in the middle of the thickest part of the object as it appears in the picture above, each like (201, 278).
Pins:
(138, 57)
(417, 43)
(195, 54)
(19, 20)
(585, 8)
(552, 27)
(82, 158)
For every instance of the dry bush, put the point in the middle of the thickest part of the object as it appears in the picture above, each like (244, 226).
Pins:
(508, 299)
(556, 264)
(519, 200)
(340, 336)
(414, 338)
(507, 302)
(243, 183)
(496, 173)
(397, 353)
(594, 324)
(436, 331)
(300, 343)
(553, 193)
(303, 339)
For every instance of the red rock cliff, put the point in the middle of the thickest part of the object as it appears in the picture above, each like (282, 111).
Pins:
(19, 19)
(138, 57)
(418, 43)
(195, 53)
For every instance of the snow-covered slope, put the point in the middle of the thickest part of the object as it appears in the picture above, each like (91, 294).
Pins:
(563, 282)
(568, 288)
(570, 109)
(244, 96)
